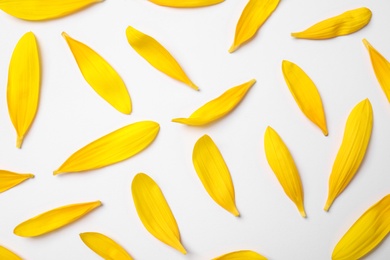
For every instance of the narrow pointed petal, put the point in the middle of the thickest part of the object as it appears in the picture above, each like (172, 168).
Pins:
(254, 15)
(357, 135)
(366, 233)
(36, 10)
(54, 219)
(9, 179)
(112, 148)
(305, 94)
(23, 85)
(154, 211)
(217, 108)
(157, 56)
(186, 3)
(239, 255)
(381, 68)
(100, 75)
(283, 165)
(343, 24)
(8, 254)
(104, 246)
(214, 173)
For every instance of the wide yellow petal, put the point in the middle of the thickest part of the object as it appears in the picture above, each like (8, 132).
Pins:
(240, 255)
(343, 24)
(217, 108)
(154, 211)
(100, 75)
(54, 219)
(214, 173)
(254, 15)
(154, 53)
(357, 135)
(11, 179)
(186, 3)
(23, 85)
(36, 10)
(6, 254)
(283, 165)
(381, 68)
(104, 246)
(366, 233)
(305, 94)
(112, 148)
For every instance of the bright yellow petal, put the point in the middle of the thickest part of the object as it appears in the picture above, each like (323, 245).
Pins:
(100, 75)
(23, 85)
(186, 3)
(11, 179)
(366, 233)
(104, 246)
(282, 164)
(381, 68)
(254, 15)
(217, 108)
(305, 94)
(154, 211)
(154, 53)
(357, 135)
(54, 219)
(240, 255)
(112, 148)
(343, 24)
(6, 254)
(36, 10)
(214, 173)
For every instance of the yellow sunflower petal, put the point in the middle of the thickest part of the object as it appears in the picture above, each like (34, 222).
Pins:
(305, 94)
(100, 75)
(112, 148)
(242, 254)
(282, 164)
(217, 108)
(214, 173)
(366, 233)
(54, 219)
(11, 179)
(186, 3)
(357, 135)
(154, 53)
(343, 24)
(23, 85)
(254, 15)
(154, 212)
(104, 246)
(6, 254)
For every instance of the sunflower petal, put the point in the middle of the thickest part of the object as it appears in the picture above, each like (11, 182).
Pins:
(186, 3)
(8, 254)
(242, 254)
(9, 179)
(154, 212)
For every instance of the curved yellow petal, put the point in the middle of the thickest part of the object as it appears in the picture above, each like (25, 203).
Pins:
(36, 10)
(9, 179)
(217, 108)
(112, 148)
(157, 56)
(23, 85)
(54, 219)
(254, 15)
(7, 254)
(240, 255)
(186, 3)
(283, 165)
(343, 24)
(366, 233)
(104, 246)
(154, 212)
(100, 75)
(357, 135)
(305, 94)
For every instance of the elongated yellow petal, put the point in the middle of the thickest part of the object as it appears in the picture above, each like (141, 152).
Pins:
(357, 135)
(186, 3)
(112, 148)
(104, 246)
(343, 24)
(100, 75)
(36, 10)
(282, 164)
(214, 173)
(254, 15)
(6, 254)
(305, 94)
(11, 179)
(217, 108)
(23, 85)
(381, 68)
(366, 233)
(157, 56)
(54, 219)
(154, 211)
(240, 255)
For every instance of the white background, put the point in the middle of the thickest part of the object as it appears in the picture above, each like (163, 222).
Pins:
(71, 115)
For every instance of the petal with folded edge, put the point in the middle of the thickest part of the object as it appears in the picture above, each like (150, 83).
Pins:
(186, 3)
